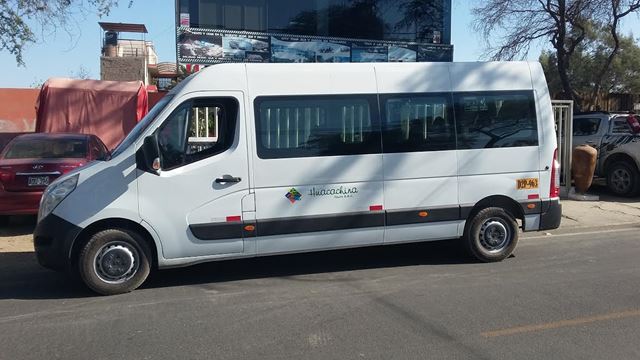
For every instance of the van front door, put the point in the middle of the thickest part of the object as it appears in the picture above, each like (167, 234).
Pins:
(194, 203)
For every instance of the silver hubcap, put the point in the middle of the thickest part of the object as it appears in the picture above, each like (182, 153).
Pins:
(116, 262)
(621, 180)
(494, 235)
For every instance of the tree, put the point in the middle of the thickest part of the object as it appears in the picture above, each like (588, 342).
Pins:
(21, 19)
(622, 77)
(564, 23)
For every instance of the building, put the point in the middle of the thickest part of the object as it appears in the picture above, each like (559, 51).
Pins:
(215, 31)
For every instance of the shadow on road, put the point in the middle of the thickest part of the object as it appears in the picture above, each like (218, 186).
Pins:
(18, 226)
(22, 278)
(434, 253)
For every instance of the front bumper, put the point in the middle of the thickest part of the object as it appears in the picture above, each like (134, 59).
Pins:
(52, 239)
(19, 203)
(551, 215)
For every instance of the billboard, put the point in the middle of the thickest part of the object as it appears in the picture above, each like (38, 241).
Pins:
(207, 46)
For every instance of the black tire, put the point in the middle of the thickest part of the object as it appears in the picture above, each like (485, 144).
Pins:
(623, 179)
(483, 232)
(114, 261)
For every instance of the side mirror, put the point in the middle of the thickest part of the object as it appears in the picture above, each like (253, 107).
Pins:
(150, 155)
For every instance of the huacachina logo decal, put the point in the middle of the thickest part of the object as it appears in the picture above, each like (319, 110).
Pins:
(340, 192)
(293, 195)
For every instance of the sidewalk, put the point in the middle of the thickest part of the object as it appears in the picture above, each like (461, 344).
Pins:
(609, 211)
(599, 213)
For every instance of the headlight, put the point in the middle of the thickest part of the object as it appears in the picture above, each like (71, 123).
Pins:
(54, 195)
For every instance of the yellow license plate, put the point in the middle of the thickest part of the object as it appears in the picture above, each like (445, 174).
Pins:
(531, 183)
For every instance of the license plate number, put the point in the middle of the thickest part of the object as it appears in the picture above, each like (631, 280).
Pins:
(531, 183)
(38, 181)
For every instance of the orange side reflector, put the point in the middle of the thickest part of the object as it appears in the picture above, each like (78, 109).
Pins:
(531, 206)
(249, 227)
(423, 214)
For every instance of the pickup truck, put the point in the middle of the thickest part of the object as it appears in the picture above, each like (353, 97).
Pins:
(616, 136)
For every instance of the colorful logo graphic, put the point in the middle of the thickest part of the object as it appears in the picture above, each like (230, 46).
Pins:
(293, 195)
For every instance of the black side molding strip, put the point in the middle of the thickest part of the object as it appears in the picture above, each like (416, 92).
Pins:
(417, 216)
(320, 223)
(217, 231)
(307, 224)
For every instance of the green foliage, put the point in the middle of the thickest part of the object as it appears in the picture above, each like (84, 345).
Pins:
(20, 20)
(623, 76)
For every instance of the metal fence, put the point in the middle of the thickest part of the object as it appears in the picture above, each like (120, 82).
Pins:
(563, 114)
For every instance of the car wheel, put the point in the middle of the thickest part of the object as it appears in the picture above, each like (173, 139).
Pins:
(114, 261)
(491, 235)
(622, 179)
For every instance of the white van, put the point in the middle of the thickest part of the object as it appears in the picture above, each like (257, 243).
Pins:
(245, 160)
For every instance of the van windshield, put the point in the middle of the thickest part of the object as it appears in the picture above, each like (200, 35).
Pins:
(142, 126)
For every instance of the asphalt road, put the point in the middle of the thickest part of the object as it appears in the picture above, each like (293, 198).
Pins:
(560, 297)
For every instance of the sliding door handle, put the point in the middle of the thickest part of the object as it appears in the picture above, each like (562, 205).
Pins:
(228, 179)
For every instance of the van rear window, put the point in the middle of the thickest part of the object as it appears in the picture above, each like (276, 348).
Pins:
(496, 120)
(308, 126)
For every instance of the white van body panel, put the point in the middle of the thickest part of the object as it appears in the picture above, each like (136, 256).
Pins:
(410, 184)
(171, 204)
(313, 176)
(546, 127)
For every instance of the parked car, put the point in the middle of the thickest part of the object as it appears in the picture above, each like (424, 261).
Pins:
(616, 136)
(30, 162)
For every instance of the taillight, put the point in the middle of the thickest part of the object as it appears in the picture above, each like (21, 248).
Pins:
(554, 191)
(633, 122)
(6, 176)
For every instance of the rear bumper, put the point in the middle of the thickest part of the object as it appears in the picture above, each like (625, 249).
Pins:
(551, 215)
(19, 203)
(52, 240)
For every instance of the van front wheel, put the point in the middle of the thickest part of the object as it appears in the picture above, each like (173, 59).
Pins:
(491, 235)
(114, 261)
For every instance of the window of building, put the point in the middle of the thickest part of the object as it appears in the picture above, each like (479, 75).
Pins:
(418, 123)
(316, 126)
(585, 126)
(196, 130)
(495, 119)
(404, 20)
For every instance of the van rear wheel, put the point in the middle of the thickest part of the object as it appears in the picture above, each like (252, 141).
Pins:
(114, 261)
(491, 235)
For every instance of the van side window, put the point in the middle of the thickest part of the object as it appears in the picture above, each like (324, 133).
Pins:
(305, 126)
(196, 130)
(418, 123)
(586, 126)
(496, 119)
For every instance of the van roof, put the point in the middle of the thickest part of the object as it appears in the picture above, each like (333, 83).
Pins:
(311, 78)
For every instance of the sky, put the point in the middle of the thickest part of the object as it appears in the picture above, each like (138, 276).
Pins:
(67, 53)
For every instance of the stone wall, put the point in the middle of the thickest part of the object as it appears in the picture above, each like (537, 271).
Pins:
(122, 68)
